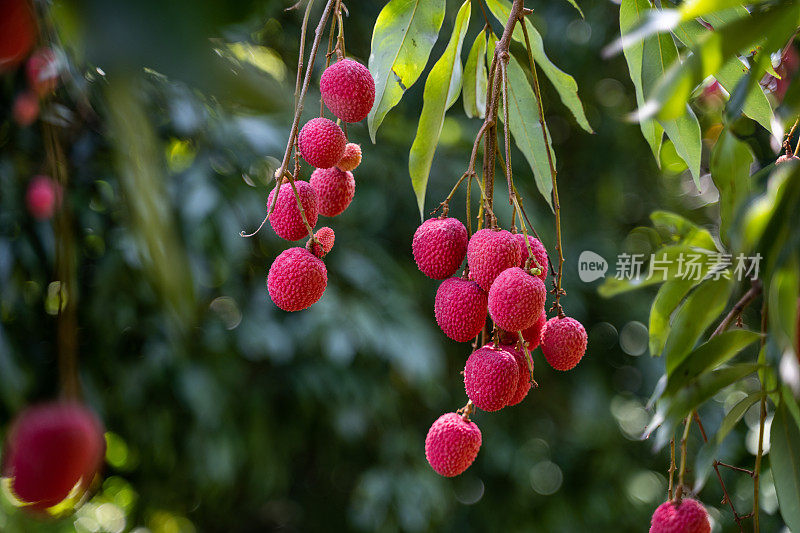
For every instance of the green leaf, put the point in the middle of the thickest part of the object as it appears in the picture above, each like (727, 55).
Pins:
(705, 387)
(730, 170)
(441, 91)
(784, 457)
(784, 290)
(694, 316)
(565, 85)
(708, 356)
(735, 414)
(669, 296)
(681, 230)
(574, 4)
(474, 91)
(700, 8)
(404, 35)
(631, 13)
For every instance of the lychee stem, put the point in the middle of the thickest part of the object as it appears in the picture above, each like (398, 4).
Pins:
(528, 357)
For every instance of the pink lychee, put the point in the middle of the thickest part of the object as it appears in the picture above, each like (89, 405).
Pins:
(533, 334)
(490, 377)
(296, 279)
(325, 236)
(460, 308)
(524, 378)
(489, 253)
(786, 157)
(516, 299)
(335, 190)
(439, 246)
(286, 219)
(42, 197)
(26, 108)
(563, 342)
(452, 444)
(351, 158)
(539, 253)
(42, 71)
(348, 90)
(688, 516)
(322, 142)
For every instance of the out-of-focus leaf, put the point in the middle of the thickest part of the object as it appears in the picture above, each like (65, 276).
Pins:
(735, 414)
(574, 4)
(692, 9)
(778, 239)
(474, 92)
(784, 460)
(441, 91)
(402, 39)
(682, 230)
(666, 301)
(706, 386)
(730, 170)
(784, 290)
(696, 314)
(565, 85)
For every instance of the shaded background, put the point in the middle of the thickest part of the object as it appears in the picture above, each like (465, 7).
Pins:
(225, 413)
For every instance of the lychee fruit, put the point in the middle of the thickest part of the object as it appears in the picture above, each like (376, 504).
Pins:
(563, 342)
(439, 247)
(26, 108)
(533, 334)
(688, 516)
(351, 158)
(524, 378)
(17, 32)
(452, 444)
(335, 190)
(489, 253)
(460, 308)
(322, 142)
(296, 279)
(286, 219)
(325, 236)
(786, 157)
(51, 449)
(42, 71)
(348, 90)
(516, 299)
(42, 197)
(539, 253)
(490, 377)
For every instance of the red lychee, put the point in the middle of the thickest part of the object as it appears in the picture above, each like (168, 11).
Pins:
(50, 449)
(516, 299)
(17, 32)
(322, 142)
(296, 279)
(524, 378)
(563, 342)
(460, 308)
(490, 377)
(786, 157)
(539, 253)
(439, 246)
(351, 158)
(286, 219)
(489, 253)
(348, 90)
(335, 190)
(533, 334)
(325, 236)
(452, 444)
(42, 197)
(42, 71)
(688, 516)
(26, 108)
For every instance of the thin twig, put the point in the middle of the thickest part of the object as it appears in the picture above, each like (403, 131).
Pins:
(302, 51)
(750, 295)
(682, 469)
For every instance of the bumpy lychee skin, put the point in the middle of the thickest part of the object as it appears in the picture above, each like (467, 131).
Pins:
(351, 158)
(296, 279)
(489, 253)
(50, 449)
(322, 142)
(533, 334)
(460, 308)
(539, 253)
(687, 517)
(286, 219)
(348, 90)
(325, 236)
(439, 246)
(490, 377)
(335, 190)
(452, 444)
(563, 342)
(42, 71)
(516, 299)
(42, 197)
(524, 378)
(786, 157)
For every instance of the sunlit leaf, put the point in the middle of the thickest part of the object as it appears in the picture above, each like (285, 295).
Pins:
(784, 291)
(681, 230)
(704, 388)
(666, 301)
(735, 414)
(701, 8)
(784, 457)
(474, 91)
(730, 170)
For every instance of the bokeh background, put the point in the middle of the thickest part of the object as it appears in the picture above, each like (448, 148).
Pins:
(225, 413)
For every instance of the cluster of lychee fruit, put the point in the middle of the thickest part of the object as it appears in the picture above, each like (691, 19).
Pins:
(505, 280)
(298, 277)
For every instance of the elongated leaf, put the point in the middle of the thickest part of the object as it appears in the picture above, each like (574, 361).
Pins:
(730, 170)
(681, 230)
(574, 4)
(404, 35)
(666, 301)
(735, 414)
(700, 8)
(784, 457)
(441, 91)
(784, 289)
(474, 91)
(705, 387)
(696, 314)
(565, 85)
(631, 13)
